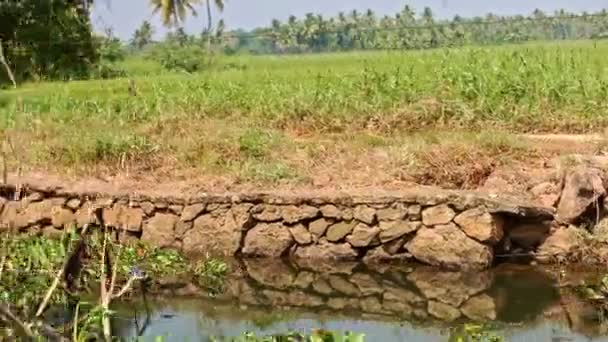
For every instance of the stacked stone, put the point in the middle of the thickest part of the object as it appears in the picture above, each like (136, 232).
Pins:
(432, 230)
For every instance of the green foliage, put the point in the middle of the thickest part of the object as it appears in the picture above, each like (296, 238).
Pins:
(189, 58)
(110, 51)
(211, 274)
(476, 333)
(142, 36)
(47, 39)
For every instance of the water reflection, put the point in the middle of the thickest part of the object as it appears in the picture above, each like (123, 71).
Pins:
(404, 303)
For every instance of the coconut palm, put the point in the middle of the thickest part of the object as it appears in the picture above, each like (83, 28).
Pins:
(173, 12)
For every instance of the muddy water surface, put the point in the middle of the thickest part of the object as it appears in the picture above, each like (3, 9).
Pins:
(405, 303)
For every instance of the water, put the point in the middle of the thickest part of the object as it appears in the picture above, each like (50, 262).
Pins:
(413, 303)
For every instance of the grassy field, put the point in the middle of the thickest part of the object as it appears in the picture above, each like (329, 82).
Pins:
(314, 118)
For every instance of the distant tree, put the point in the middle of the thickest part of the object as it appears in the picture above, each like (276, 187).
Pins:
(143, 35)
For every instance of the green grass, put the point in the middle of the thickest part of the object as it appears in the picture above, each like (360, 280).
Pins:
(244, 114)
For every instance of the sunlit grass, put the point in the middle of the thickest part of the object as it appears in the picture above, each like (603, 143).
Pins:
(258, 117)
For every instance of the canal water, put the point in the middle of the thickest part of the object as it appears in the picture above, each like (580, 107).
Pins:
(405, 303)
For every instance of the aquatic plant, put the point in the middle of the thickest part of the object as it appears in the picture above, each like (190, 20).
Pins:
(38, 273)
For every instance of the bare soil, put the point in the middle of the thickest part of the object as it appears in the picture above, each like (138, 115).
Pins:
(369, 172)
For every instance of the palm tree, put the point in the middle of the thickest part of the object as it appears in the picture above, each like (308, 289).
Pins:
(173, 12)
(219, 4)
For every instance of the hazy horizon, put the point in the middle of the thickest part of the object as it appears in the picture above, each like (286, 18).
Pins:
(127, 15)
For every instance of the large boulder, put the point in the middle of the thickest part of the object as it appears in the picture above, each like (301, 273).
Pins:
(560, 244)
(583, 188)
(447, 246)
(267, 240)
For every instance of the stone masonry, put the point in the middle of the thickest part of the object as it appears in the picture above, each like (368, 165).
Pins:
(450, 229)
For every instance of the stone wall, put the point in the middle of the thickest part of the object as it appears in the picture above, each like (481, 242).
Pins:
(435, 227)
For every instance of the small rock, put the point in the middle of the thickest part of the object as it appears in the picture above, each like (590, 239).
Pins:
(176, 209)
(482, 226)
(480, 308)
(301, 234)
(366, 284)
(443, 311)
(216, 234)
(546, 193)
(182, 227)
(322, 286)
(304, 279)
(340, 230)
(397, 306)
(86, 215)
(371, 304)
(270, 272)
(159, 230)
(319, 227)
(390, 231)
(343, 286)
(324, 250)
(380, 256)
(267, 213)
(363, 235)
(267, 240)
(437, 215)
(147, 207)
(161, 205)
(74, 203)
(414, 212)
(293, 214)
(331, 211)
(191, 212)
(583, 187)
(392, 214)
(365, 214)
(34, 197)
(61, 217)
(395, 246)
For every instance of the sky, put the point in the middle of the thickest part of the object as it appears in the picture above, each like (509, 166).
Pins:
(125, 16)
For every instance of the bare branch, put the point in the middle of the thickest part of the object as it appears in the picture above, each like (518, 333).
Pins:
(23, 327)
(125, 288)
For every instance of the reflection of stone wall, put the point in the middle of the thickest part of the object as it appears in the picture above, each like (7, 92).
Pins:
(398, 292)
(449, 229)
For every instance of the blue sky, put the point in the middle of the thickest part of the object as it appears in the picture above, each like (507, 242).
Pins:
(124, 16)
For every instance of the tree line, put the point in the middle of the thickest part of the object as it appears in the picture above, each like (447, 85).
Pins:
(411, 30)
